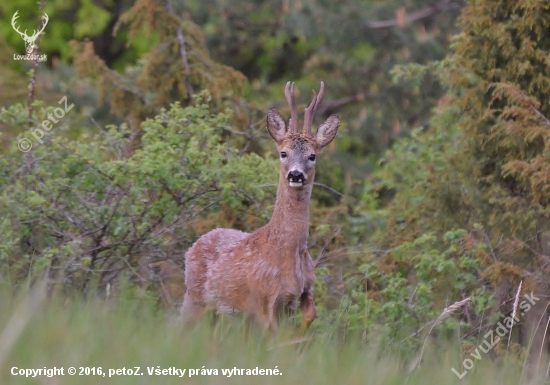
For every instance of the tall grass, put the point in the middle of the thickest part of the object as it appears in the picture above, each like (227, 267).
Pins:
(98, 333)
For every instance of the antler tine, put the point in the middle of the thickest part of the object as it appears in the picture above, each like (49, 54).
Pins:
(310, 111)
(45, 19)
(16, 28)
(291, 100)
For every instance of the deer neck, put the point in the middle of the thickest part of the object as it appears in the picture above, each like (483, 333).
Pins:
(290, 220)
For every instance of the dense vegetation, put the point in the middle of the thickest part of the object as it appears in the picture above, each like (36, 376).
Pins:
(96, 335)
(430, 220)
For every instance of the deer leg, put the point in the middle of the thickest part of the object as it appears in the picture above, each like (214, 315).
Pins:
(269, 316)
(269, 323)
(308, 310)
(192, 309)
(272, 321)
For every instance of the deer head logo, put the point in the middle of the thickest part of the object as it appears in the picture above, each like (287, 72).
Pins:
(29, 40)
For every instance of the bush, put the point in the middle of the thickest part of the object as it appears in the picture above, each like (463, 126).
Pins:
(94, 210)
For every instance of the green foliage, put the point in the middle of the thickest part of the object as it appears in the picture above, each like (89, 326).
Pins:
(91, 19)
(273, 42)
(397, 293)
(478, 167)
(90, 210)
(84, 333)
(174, 65)
(67, 20)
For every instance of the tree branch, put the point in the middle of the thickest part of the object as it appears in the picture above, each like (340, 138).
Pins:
(35, 63)
(328, 107)
(540, 115)
(400, 22)
(183, 53)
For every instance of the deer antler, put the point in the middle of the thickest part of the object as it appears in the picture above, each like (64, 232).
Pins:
(24, 34)
(310, 111)
(13, 19)
(46, 19)
(291, 100)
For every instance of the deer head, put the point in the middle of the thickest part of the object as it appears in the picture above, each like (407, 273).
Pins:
(298, 152)
(29, 40)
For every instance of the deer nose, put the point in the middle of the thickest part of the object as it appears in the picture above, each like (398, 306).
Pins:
(296, 177)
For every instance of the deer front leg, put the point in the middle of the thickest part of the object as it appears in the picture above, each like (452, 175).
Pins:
(308, 310)
(306, 298)
(192, 308)
(267, 315)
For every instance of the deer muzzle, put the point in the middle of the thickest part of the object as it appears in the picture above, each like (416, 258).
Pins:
(296, 178)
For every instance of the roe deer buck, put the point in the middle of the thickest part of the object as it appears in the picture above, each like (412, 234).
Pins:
(263, 273)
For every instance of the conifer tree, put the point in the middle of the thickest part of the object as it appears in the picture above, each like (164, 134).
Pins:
(176, 65)
(482, 167)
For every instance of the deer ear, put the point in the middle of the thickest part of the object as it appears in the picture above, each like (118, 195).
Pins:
(276, 125)
(327, 131)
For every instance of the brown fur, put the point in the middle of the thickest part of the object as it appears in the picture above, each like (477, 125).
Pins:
(264, 272)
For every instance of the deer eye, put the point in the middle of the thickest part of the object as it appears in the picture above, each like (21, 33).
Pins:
(312, 157)
(283, 154)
